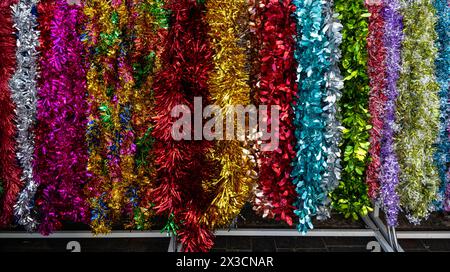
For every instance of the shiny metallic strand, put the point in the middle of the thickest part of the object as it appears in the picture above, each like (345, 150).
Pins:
(228, 85)
(333, 129)
(23, 88)
(310, 163)
(442, 156)
(418, 111)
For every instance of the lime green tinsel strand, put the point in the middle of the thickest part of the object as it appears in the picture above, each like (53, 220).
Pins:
(418, 111)
(350, 198)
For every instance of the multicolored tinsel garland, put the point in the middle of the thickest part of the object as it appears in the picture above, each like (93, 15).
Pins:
(110, 134)
(99, 39)
(228, 85)
(150, 30)
(10, 172)
(377, 98)
(350, 198)
(182, 165)
(277, 87)
(310, 162)
(333, 129)
(24, 90)
(418, 111)
(389, 169)
(60, 152)
(442, 156)
(123, 148)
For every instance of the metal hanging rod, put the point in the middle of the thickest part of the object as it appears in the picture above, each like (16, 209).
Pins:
(386, 237)
(158, 234)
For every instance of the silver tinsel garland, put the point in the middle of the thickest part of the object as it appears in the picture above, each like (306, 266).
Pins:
(333, 129)
(23, 88)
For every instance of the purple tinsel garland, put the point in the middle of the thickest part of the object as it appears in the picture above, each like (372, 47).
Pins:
(389, 163)
(61, 153)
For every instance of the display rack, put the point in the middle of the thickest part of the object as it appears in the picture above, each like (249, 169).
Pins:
(386, 238)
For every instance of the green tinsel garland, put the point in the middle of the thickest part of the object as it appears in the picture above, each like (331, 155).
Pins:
(350, 198)
(418, 111)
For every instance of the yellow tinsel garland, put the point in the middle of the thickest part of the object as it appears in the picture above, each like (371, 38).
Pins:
(228, 86)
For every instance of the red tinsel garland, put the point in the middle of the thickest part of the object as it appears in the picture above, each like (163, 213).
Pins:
(9, 168)
(377, 100)
(278, 87)
(182, 165)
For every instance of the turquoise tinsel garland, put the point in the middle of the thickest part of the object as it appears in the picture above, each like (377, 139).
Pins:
(442, 155)
(310, 163)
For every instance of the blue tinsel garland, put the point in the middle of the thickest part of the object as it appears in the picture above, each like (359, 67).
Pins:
(442, 156)
(311, 162)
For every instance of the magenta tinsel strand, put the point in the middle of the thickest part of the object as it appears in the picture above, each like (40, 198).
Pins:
(389, 164)
(61, 152)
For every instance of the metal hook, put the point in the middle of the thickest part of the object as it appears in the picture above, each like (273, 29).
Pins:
(395, 240)
(389, 233)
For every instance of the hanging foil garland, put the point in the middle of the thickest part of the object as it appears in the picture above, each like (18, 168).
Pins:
(389, 171)
(109, 135)
(23, 87)
(123, 148)
(442, 156)
(333, 92)
(182, 165)
(149, 29)
(350, 198)
(277, 87)
(99, 122)
(447, 189)
(10, 182)
(310, 162)
(253, 46)
(228, 85)
(45, 10)
(60, 152)
(260, 202)
(418, 111)
(377, 98)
